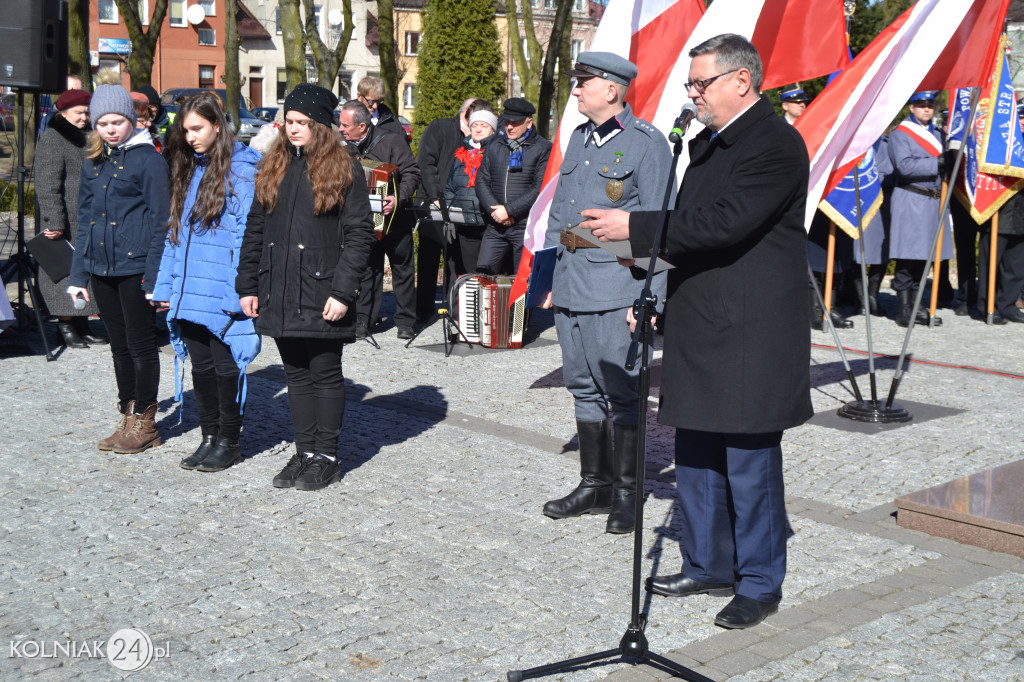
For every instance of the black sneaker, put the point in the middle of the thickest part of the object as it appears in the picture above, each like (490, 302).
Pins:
(406, 333)
(291, 471)
(319, 473)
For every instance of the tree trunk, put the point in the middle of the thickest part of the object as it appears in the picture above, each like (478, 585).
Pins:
(78, 42)
(561, 29)
(386, 50)
(232, 77)
(328, 61)
(140, 63)
(294, 44)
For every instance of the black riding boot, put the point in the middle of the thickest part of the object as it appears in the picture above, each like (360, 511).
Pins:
(226, 451)
(623, 516)
(204, 387)
(594, 493)
(906, 299)
(873, 287)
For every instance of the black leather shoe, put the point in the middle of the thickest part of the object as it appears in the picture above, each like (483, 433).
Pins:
(744, 612)
(679, 585)
(224, 454)
(405, 333)
(962, 310)
(193, 460)
(1013, 315)
(69, 335)
(82, 325)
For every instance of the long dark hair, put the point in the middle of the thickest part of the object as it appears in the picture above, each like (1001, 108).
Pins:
(329, 169)
(213, 188)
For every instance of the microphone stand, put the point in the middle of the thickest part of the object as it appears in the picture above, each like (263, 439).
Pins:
(633, 646)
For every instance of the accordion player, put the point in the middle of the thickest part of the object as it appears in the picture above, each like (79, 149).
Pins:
(381, 180)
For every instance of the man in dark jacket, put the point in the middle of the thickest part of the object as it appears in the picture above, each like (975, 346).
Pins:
(368, 142)
(508, 182)
(737, 340)
(370, 92)
(436, 153)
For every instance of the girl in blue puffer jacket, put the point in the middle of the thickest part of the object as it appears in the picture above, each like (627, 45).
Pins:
(211, 190)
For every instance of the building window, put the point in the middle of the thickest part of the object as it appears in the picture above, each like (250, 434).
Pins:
(550, 4)
(277, 20)
(206, 75)
(526, 50)
(209, 7)
(282, 85)
(107, 12)
(312, 73)
(144, 12)
(412, 43)
(580, 6)
(577, 48)
(207, 36)
(176, 11)
(318, 15)
(112, 64)
(409, 96)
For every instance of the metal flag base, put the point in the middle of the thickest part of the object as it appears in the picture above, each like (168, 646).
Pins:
(874, 411)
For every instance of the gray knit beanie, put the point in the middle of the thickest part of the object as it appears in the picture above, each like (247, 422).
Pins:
(111, 99)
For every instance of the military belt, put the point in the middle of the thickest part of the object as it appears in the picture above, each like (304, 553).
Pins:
(572, 241)
(930, 193)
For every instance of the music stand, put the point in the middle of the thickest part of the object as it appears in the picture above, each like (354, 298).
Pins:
(20, 263)
(437, 223)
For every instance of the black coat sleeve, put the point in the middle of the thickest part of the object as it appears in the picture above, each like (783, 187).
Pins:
(252, 246)
(489, 168)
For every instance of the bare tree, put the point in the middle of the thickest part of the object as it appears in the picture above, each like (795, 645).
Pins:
(78, 41)
(232, 74)
(328, 58)
(537, 75)
(140, 63)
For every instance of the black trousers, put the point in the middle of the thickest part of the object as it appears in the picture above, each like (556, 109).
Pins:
(316, 391)
(214, 382)
(1009, 270)
(428, 259)
(130, 322)
(497, 242)
(908, 274)
(208, 353)
(397, 244)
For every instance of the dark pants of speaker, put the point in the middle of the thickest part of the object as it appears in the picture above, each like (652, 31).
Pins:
(397, 244)
(316, 391)
(131, 325)
(732, 499)
(1009, 271)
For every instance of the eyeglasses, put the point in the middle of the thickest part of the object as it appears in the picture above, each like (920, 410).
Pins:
(702, 85)
(371, 102)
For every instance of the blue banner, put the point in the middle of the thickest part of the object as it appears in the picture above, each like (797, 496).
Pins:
(1002, 143)
(959, 112)
(841, 203)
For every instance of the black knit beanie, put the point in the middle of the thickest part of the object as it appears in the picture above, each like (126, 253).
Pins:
(313, 101)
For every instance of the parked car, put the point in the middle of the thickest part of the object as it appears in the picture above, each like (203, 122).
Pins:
(248, 126)
(407, 127)
(265, 113)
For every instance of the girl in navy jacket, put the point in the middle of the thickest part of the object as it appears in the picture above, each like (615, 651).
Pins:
(122, 219)
(212, 188)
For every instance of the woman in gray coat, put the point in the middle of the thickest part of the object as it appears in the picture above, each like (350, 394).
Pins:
(58, 167)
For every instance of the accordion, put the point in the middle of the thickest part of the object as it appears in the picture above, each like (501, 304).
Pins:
(484, 313)
(379, 177)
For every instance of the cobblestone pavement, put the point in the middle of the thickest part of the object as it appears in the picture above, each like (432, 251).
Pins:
(431, 560)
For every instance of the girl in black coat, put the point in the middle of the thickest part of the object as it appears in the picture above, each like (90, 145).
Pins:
(307, 241)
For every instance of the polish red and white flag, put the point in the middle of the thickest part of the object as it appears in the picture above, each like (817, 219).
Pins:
(934, 45)
(797, 39)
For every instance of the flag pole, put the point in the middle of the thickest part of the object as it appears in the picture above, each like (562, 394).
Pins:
(830, 268)
(993, 249)
(943, 212)
(937, 267)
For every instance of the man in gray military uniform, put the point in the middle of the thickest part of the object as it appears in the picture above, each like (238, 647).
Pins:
(615, 160)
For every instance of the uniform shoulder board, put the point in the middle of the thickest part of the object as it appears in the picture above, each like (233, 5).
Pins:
(646, 128)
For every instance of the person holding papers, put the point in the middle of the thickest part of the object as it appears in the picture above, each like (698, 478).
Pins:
(613, 160)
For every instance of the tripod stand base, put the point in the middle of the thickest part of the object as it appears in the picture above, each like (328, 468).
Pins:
(632, 646)
(874, 411)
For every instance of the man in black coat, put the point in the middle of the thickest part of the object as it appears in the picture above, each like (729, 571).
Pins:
(370, 91)
(737, 339)
(507, 184)
(435, 156)
(368, 142)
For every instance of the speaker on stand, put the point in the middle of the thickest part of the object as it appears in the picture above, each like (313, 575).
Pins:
(34, 34)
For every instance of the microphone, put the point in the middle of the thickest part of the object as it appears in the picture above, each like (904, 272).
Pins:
(79, 302)
(688, 113)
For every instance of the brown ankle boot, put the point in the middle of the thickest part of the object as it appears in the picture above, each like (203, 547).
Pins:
(141, 435)
(123, 424)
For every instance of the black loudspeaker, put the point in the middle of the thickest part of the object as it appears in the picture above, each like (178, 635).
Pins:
(34, 36)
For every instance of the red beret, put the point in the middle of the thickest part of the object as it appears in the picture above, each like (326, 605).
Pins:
(73, 98)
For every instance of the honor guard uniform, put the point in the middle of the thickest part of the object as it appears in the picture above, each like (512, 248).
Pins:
(614, 160)
(916, 146)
